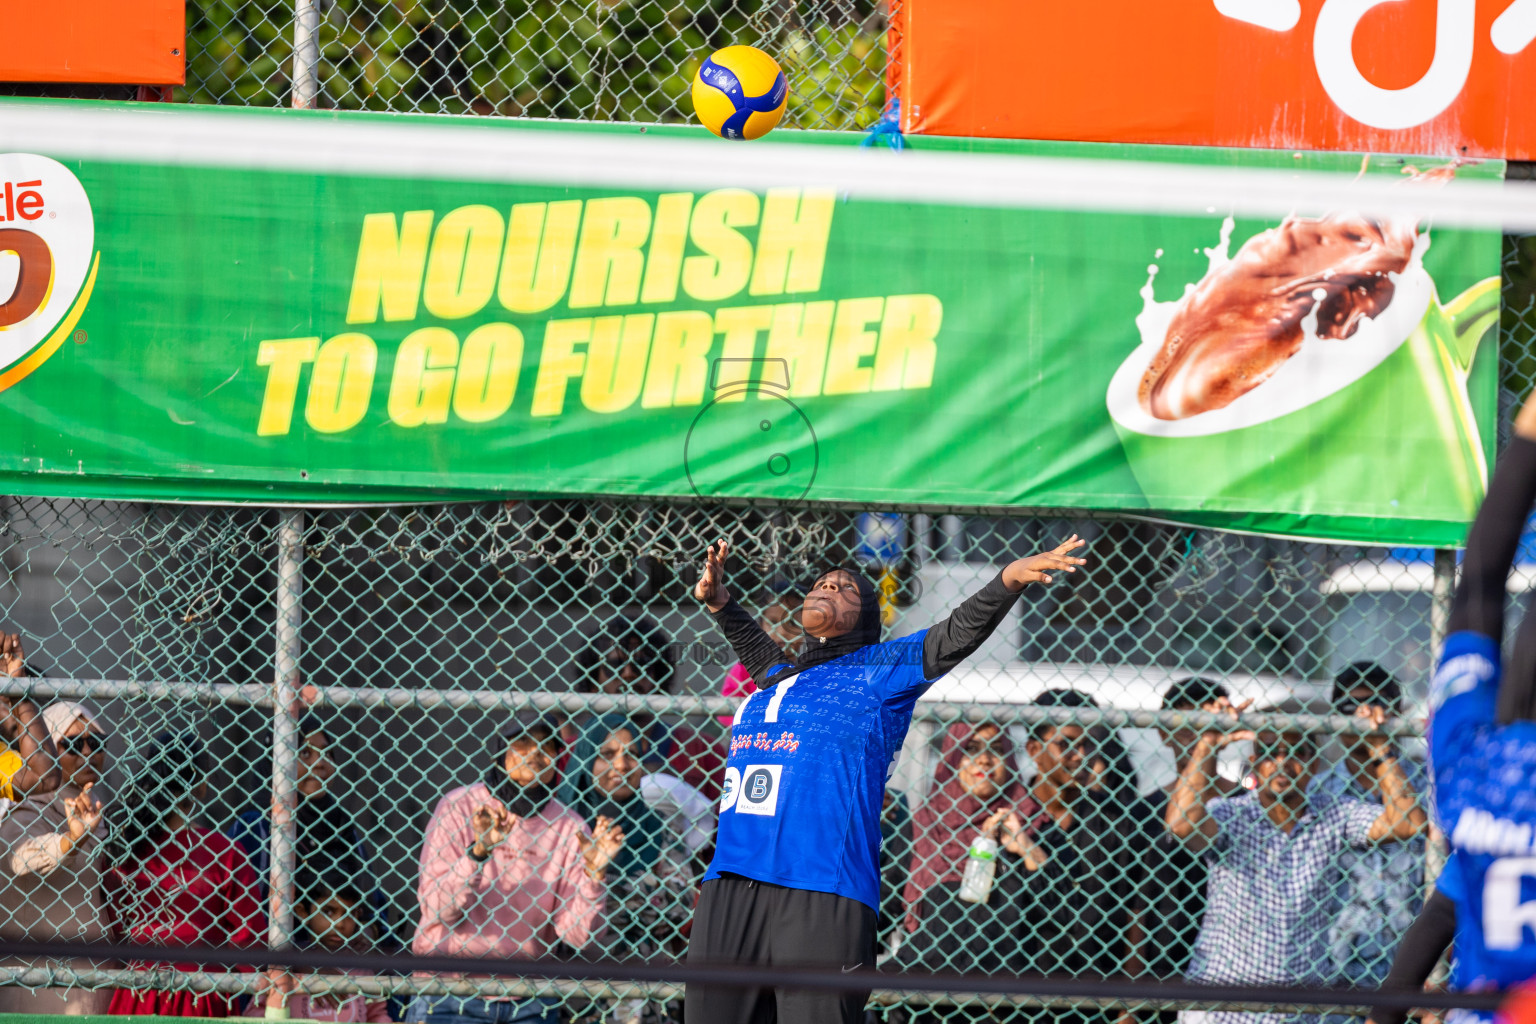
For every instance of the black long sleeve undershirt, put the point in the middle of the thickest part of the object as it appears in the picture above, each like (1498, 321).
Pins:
(957, 637)
(754, 648)
(1423, 943)
(1491, 545)
(946, 645)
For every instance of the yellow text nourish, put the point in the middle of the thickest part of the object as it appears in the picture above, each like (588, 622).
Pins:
(737, 252)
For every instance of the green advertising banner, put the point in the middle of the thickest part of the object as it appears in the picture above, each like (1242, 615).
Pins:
(232, 305)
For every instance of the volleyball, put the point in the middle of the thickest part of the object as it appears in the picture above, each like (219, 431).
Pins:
(739, 93)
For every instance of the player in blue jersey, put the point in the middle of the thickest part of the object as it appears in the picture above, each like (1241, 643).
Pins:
(795, 877)
(1482, 749)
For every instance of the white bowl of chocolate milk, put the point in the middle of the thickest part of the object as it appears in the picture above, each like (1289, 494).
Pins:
(1281, 379)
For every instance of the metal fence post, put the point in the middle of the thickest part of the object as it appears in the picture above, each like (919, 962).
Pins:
(306, 53)
(285, 722)
(1442, 590)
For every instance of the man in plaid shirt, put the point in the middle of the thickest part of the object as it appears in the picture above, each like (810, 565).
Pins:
(1271, 854)
(1378, 891)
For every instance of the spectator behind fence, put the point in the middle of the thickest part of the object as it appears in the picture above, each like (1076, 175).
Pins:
(630, 655)
(1272, 855)
(332, 915)
(1074, 912)
(1379, 889)
(509, 871)
(27, 764)
(651, 879)
(173, 881)
(49, 849)
(976, 791)
(1167, 914)
(328, 839)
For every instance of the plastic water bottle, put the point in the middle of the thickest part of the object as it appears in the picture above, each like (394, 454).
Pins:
(980, 870)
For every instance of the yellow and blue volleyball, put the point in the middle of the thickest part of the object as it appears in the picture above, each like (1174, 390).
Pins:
(739, 93)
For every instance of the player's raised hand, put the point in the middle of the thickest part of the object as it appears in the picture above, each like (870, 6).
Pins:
(711, 586)
(1038, 568)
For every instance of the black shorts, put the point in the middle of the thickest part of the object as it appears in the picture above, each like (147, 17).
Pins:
(741, 921)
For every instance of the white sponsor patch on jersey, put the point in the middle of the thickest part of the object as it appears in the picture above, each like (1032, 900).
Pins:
(729, 788)
(759, 791)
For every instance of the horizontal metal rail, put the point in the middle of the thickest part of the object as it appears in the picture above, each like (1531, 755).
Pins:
(619, 979)
(385, 986)
(684, 705)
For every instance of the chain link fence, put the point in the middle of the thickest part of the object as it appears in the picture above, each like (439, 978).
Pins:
(607, 60)
(419, 635)
(423, 632)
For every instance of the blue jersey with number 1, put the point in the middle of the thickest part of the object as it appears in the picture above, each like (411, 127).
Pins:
(1485, 800)
(805, 780)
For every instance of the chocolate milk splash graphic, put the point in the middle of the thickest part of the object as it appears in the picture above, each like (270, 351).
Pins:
(1316, 373)
(1310, 280)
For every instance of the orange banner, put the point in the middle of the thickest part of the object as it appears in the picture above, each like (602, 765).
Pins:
(1407, 76)
(138, 43)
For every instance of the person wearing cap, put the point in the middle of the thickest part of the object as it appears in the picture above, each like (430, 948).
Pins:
(507, 870)
(1379, 889)
(1072, 907)
(1272, 854)
(49, 860)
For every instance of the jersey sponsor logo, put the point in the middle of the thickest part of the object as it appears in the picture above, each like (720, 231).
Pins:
(1505, 918)
(729, 788)
(759, 789)
(1459, 675)
(1478, 831)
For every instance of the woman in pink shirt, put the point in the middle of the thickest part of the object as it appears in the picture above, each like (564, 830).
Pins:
(509, 871)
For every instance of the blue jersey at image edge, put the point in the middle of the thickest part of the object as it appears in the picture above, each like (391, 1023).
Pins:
(1486, 804)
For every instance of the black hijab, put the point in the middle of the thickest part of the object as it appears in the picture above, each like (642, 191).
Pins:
(816, 650)
(523, 801)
